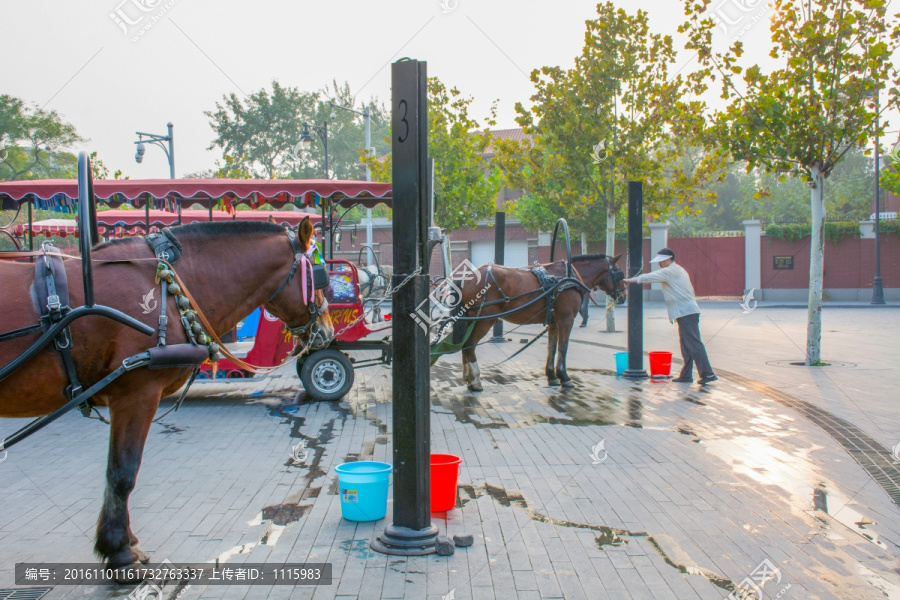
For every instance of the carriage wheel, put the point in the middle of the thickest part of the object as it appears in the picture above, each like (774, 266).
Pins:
(326, 375)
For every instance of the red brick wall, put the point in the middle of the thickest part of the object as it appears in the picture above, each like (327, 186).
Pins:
(716, 265)
(849, 263)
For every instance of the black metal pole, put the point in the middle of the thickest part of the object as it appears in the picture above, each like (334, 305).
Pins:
(877, 289)
(411, 533)
(30, 229)
(499, 258)
(635, 290)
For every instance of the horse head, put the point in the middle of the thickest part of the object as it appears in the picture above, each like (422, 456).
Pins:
(613, 282)
(303, 308)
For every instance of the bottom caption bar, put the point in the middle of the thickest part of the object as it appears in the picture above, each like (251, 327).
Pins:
(167, 572)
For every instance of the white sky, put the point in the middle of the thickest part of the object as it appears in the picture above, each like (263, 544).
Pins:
(74, 58)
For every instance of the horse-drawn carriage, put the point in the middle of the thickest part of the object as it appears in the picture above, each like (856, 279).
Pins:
(326, 374)
(210, 277)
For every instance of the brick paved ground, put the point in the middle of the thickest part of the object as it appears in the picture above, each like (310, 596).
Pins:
(691, 491)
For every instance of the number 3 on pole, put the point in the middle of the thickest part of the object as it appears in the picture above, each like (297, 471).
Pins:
(402, 138)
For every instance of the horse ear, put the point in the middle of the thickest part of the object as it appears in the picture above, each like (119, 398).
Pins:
(271, 219)
(616, 259)
(304, 232)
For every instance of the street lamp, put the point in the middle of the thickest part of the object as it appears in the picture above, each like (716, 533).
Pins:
(306, 140)
(158, 140)
(370, 255)
(170, 155)
(877, 289)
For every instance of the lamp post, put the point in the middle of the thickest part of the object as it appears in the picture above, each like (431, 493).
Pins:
(368, 118)
(305, 143)
(306, 140)
(157, 140)
(170, 155)
(877, 289)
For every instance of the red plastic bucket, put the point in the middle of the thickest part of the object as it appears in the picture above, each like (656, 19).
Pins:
(660, 363)
(444, 477)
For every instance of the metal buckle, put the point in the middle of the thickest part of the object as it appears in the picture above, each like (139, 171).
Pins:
(133, 362)
(53, 303)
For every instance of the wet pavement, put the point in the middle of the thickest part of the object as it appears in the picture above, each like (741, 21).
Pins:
(776, 479)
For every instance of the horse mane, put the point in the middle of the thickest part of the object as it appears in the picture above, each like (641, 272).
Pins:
(203, 229)
(583, 257)
(216, 228)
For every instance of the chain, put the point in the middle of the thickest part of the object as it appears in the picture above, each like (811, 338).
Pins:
(387, 295)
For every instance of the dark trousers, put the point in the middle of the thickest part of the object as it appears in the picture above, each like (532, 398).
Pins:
(692, 348)
(585, 302)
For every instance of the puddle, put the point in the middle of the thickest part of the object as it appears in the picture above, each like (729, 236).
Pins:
(608, 537)
(359, 549)
(836, 506)
(169, 428)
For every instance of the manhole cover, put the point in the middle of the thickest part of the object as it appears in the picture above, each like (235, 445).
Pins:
(800, 363)
(32, 593)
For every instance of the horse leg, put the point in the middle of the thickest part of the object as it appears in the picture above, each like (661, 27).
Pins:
(565, 330)
(130, 420)
(552, 339)
(471, 372)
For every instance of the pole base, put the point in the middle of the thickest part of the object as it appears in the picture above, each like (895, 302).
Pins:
(877, 291)
(498, 339)
(635, 373)
(403, 541)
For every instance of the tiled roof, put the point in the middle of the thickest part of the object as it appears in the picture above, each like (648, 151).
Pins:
(516, 134)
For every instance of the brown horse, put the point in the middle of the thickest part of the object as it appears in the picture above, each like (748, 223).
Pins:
(590, 269)
(228, 268)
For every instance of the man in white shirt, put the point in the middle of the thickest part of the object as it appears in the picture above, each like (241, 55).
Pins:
(682, 307)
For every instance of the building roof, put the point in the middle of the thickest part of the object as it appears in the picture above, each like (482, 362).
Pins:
(515, 134)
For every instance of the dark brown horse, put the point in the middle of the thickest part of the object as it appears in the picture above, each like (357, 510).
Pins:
(590, 269)
(228, 268)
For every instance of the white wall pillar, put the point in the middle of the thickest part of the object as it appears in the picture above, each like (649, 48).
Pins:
(752, 256)
(659, 239)
(867, 230)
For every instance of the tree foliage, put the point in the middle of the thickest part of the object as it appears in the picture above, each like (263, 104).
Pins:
(261, 134)
(804, 116)
(33, 142)
(465, 185)
(618, 115)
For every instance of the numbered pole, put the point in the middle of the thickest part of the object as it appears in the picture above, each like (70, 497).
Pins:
(635, 290)
(411, 533)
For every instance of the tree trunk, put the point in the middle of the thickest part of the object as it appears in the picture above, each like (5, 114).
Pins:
(610, 251)
(816, 268)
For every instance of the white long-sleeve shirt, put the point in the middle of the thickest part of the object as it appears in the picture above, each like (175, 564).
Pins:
(676, 289)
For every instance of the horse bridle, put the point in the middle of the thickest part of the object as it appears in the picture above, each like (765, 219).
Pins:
(616, 275)
(315, 310)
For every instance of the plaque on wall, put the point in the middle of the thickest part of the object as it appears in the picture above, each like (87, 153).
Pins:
(784, 263)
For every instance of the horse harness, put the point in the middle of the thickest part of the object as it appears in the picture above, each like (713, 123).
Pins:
(549, 282)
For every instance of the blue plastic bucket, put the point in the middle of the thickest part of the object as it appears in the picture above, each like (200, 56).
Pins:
(621, 362)
(363, 487)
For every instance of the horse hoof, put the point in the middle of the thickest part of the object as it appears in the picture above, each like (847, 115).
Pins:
(476, 388)
(568, 384)
(553, 382)
(142, 556)
(133, 572)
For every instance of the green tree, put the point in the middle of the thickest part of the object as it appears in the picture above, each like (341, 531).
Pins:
(33, 141)
(262, 133)
(617, 116)
(802, 117)
(465, 185)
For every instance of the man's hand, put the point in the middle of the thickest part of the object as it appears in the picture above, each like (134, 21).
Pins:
(630, 281)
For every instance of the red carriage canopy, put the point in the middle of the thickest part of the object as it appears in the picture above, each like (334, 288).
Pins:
(54, 193)
(119, 223)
